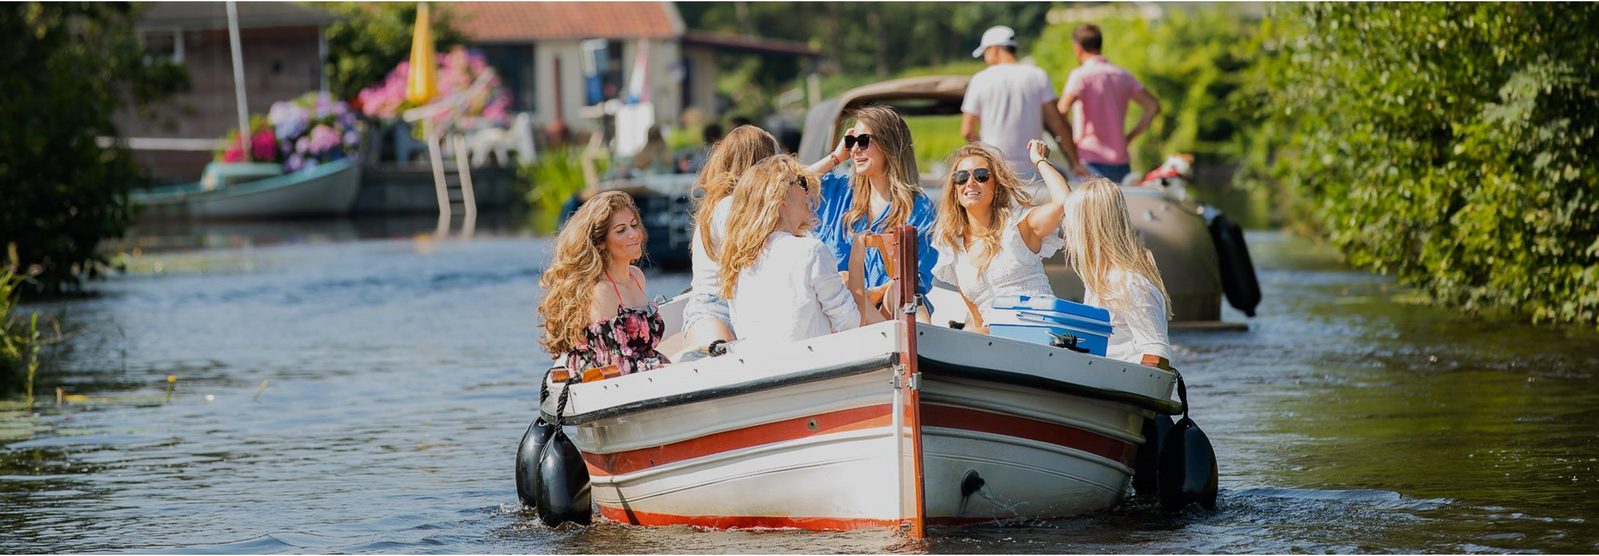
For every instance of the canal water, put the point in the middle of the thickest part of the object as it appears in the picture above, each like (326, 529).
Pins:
(361, 387)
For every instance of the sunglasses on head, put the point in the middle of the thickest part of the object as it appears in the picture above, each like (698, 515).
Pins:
(864, 139)
(980, 174)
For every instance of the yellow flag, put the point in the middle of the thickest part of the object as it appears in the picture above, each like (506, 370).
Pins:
(420, 82)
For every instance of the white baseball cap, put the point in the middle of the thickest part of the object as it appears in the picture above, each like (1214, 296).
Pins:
(998, 35)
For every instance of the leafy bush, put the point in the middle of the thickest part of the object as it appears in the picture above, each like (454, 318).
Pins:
(1452, 145)
(19, 344)
(68, 66)
(551, 180)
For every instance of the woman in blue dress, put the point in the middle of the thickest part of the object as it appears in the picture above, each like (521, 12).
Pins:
(882, 192)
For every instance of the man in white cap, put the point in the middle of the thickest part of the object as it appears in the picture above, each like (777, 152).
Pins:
(1012, 103)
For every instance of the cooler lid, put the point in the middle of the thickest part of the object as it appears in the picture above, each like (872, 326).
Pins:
(1052, 303)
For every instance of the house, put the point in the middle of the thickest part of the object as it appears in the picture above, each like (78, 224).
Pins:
(282, 44)
(558, 58)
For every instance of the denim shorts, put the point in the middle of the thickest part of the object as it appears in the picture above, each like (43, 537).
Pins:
(706, 305)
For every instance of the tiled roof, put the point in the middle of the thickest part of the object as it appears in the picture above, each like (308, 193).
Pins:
(196, 16)
(488, 22)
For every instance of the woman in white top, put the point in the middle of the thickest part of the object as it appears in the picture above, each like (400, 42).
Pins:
(991, 242)
(782, 285)
(1118, 273)
(705, 316)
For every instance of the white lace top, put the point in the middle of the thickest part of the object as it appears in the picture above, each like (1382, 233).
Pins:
(1016, 270)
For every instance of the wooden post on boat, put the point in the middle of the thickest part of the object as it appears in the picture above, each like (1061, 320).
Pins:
(908, 381)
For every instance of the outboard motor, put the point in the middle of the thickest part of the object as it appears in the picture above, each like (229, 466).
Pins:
(1238, 280)
(527, 461)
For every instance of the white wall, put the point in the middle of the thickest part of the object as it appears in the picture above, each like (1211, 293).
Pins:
(666, 93)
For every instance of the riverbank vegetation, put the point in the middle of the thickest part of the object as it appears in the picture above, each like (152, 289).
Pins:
(68, 66)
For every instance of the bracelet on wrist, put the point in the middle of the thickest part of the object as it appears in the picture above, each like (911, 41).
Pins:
(834, 158)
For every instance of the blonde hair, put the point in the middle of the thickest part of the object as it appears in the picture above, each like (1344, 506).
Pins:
(729, 158)
(580, 259)
(757, 204)
(1100, 238)
(954, 224)
(891, 135)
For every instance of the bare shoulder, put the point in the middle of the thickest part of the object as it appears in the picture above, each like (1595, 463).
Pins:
(636, 273)
(604, 296)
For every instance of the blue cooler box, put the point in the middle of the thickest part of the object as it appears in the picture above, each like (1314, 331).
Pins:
(1035, 318)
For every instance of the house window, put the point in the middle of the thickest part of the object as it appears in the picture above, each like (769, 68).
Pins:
(166, 44)
(602, 70)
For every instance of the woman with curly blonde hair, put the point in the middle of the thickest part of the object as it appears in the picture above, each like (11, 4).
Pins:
(705, 316)
(1118, 272)
(882, 193)
(781, 284)
(595, 311)
(991, 241)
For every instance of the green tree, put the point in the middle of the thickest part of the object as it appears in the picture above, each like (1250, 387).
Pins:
(67, 68)
(369, 39)
(1452, 145)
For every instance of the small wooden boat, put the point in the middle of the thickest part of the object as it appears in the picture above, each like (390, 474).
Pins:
(257, 191)
(897, 424)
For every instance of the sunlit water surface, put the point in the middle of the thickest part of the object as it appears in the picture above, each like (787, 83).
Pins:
(360, 387)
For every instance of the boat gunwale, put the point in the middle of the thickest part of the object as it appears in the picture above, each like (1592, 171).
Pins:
(874, 363)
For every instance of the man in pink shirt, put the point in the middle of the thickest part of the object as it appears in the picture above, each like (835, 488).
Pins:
(1101, 90)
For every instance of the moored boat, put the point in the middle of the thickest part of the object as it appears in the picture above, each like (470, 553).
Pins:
(893, 424)
(226, 193)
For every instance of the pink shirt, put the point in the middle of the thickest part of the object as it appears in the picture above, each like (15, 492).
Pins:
(1099, 118)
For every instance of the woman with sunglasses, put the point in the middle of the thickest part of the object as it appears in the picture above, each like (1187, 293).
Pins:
(882, 194)
(782, 285)
(991, 241)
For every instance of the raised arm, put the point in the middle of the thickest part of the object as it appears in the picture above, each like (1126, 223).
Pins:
(832, 159)
(1044, 219)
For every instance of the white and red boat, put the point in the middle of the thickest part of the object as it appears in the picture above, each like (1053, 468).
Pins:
(890, 425)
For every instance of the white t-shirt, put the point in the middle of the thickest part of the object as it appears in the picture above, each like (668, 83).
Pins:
(706, 269)
(792, 292)
(1008, 100)
(1140, 328)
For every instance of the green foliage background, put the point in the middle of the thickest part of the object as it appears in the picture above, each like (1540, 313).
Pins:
(1452, 145)
(66, 68)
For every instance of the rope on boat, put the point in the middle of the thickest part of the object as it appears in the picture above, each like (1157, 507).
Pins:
(566, 393)
(1182, 391)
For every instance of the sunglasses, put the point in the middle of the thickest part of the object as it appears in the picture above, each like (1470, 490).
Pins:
(980, 174)
(803, 185)
(864, 139)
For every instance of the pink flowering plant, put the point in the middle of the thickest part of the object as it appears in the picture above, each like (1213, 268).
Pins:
(458, 69)
(300, 134)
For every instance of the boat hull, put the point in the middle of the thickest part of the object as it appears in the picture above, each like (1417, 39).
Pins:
(814, 435)
(326, 190)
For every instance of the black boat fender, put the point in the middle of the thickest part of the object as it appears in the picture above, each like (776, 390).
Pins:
(562, 494)
(1188, 470)
(1238, 279)
(527, 461)
(1146, 463)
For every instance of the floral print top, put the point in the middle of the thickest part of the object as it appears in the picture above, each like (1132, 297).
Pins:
(626, 340)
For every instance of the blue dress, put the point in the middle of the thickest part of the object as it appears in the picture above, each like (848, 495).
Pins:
(837, 198)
